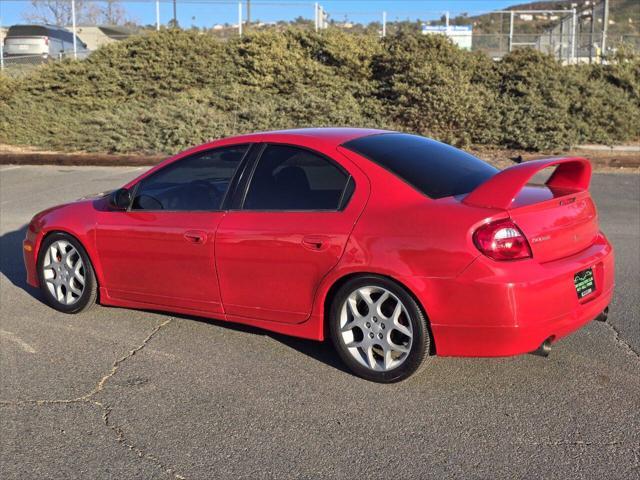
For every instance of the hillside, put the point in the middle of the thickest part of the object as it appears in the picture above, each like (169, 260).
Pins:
(620, 14)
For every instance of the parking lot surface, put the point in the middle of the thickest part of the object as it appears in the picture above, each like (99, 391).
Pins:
(124, 394)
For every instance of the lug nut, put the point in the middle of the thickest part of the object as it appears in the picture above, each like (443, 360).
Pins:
(382, 326)
(380, 336)
(368, 325)
(375, 319)
(371, 335)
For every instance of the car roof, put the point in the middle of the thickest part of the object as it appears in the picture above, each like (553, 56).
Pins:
(329, 135)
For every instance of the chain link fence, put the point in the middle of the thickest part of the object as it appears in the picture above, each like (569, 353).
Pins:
(573, 36)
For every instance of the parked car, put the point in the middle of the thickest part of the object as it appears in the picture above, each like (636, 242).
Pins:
(395, 246)
(47, 41)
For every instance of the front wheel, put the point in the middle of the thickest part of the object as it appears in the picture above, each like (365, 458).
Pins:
(67, 280)
(378, 329)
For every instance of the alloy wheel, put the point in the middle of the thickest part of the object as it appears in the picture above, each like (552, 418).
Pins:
(64, 272)
(375, 328)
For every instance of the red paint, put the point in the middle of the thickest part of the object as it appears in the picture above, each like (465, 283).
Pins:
(274, 270)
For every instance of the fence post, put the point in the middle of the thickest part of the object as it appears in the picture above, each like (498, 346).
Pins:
(384, 24)
(240, 18)
(593, 31)
(605, 26)
(574, 18)
(73, 24)
(158, 15)
(1, 50)
(510, 30)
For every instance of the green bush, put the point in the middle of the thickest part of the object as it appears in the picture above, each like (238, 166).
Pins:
(163, 92)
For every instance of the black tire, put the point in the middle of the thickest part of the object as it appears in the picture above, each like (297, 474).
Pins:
(89, 294)
(421, 343)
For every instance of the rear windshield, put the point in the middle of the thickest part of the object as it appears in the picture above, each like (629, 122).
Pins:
(435, 169)
(40, 31)
(27, 31)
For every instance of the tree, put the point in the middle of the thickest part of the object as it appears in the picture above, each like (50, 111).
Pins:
(113, 13)
(58, 12)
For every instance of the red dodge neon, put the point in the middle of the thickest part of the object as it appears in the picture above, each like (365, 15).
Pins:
(395, 246)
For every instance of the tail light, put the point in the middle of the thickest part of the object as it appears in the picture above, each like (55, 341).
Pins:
(46, 40)
(502, 240)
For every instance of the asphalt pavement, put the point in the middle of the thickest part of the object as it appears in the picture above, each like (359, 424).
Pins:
(123, 394)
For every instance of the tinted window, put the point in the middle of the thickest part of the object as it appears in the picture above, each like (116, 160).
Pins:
(198, 182)
(436, 169)
(290, 178)
(43, 31)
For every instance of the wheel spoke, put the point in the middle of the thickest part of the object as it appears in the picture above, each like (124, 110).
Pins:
(388, 359)
(398, 348)
(76, 272)
(378, 304)
(365, 295)
(371, 359)
(354, 344)
(396, 321)
(59, 294)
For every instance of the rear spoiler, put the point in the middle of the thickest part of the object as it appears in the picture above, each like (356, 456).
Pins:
(572, 173)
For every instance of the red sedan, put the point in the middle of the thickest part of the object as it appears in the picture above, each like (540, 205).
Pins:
(395, 246)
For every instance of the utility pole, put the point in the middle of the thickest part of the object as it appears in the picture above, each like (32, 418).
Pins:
(511, 31)
(605, 25)
(1, 49)
(315, 15)
(248, 12)
(384, 24)
(574, 19)
(73, 26)
(158, 15)
(240, 18)
(175, 14)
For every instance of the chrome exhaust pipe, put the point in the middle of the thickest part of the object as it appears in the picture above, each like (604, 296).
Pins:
(544, 349)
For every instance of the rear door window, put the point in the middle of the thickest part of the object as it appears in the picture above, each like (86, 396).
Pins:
(436, 169)
(292, 178)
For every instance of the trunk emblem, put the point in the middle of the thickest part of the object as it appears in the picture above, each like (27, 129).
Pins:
(542, 238)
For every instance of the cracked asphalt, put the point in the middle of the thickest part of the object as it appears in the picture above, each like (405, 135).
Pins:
(128, 394)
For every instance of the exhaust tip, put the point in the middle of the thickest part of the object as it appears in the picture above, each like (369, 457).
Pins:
(603, 315)
(544, 349)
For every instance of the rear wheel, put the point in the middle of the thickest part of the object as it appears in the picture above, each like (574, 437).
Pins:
(378, 329)
(67, 280)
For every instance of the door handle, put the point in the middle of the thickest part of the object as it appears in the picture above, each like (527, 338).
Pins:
(315, 242)
(195, 236)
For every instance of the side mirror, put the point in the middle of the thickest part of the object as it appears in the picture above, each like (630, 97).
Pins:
(120, 199)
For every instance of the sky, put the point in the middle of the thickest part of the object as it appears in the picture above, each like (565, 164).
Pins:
(210, 12)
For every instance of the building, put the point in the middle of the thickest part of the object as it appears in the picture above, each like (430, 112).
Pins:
(461, 35)
(95, 36)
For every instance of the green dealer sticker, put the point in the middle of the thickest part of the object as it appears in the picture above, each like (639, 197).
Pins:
(584, 282)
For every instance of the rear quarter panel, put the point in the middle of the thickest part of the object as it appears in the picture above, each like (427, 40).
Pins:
(407, 236)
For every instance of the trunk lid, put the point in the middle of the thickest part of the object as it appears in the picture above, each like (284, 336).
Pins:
(558, 218)
(557, 224)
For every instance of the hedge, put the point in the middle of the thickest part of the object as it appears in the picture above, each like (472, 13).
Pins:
(165, 91)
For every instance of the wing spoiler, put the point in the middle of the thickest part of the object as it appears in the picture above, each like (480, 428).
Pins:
(572, 173)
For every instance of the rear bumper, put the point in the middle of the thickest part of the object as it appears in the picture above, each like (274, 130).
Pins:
(501, 309)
